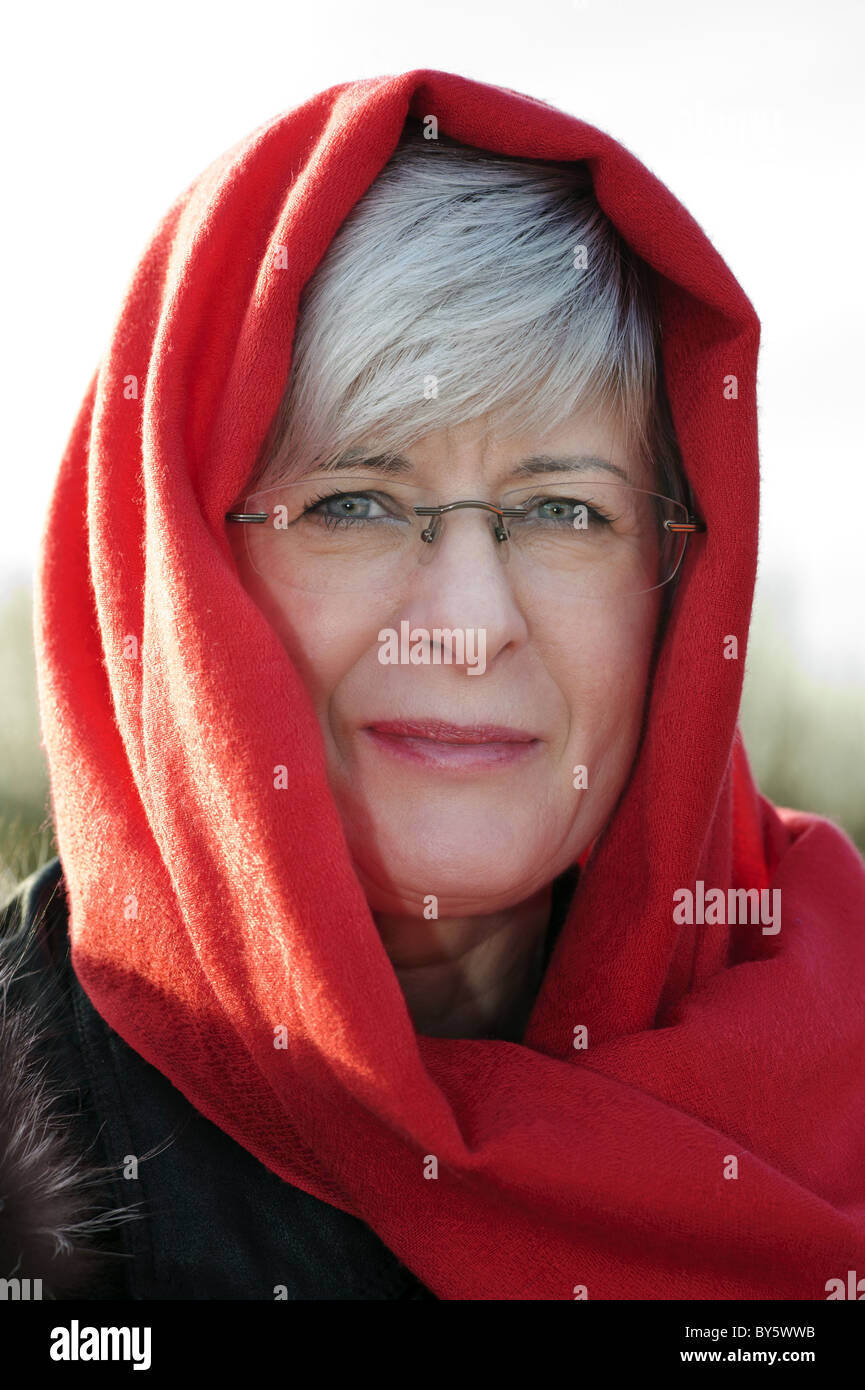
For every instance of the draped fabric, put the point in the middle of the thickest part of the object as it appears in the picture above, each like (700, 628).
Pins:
(709, 1141)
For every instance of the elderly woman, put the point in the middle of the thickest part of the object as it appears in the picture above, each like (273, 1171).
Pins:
(428, 936)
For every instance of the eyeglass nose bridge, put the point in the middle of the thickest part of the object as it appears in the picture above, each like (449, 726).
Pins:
(499, 529)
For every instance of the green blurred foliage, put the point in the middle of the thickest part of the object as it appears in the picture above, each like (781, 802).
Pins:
(805, 738)
(804, 731)
(26, 834)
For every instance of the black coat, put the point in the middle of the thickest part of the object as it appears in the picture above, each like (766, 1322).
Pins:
(201, 1218)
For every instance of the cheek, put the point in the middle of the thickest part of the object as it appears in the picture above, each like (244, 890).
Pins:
(325, 638)
(602, 668)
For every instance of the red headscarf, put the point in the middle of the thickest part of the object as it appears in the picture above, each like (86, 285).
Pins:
(208, 907)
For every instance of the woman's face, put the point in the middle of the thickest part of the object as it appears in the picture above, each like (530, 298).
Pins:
(482, 826)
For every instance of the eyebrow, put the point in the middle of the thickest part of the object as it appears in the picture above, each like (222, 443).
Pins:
(573, 463)
(394, 465)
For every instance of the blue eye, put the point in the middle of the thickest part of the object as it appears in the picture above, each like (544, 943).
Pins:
(564, 509)
(345, 508)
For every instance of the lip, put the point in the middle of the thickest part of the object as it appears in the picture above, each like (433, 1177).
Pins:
(452, 747)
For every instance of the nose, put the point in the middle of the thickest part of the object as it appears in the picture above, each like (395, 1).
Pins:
(462, 580)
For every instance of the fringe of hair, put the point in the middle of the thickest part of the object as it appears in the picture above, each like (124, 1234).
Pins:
(457, 268)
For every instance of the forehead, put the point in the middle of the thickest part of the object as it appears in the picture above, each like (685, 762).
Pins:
(478, 451)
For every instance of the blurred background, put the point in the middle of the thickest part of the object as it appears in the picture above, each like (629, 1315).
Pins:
(750, 112)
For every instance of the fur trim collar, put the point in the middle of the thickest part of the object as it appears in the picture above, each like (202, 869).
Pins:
(52, 1221)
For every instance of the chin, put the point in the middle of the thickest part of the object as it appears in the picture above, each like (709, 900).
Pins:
(498, 863)
(463, 894)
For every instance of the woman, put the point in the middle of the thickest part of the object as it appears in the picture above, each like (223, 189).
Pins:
(429, 937)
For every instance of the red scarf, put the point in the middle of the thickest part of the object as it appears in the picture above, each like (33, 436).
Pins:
(208, 908)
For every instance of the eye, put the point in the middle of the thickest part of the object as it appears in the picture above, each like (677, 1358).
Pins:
(347, 507)
(565, 509)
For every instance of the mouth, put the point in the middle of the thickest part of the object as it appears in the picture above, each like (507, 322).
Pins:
(452, 747)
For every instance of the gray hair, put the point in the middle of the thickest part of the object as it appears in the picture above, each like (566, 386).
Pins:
(455, 288)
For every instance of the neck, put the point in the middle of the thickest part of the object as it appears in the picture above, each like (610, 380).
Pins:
(470, 977)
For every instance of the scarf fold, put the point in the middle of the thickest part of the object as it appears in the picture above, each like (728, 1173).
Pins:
(709, 1142)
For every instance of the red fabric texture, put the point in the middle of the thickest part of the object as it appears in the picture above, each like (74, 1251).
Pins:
(208, 907)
